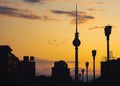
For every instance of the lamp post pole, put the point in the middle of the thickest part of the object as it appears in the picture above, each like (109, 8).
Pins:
(107, 30)
(82, 74)
(93, 54)
(87, 64)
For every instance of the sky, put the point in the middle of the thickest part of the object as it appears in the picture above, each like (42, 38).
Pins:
(45, 29)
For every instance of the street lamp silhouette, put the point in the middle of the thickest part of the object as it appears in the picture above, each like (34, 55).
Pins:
(82, 74)
(107, 30)
(93, 54)
(79, 76)
(87, 64)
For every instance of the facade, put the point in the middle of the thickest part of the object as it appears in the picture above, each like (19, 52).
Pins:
(60, 71)
(12, 68)
(8, 63)
(111, 68)
(27, 68)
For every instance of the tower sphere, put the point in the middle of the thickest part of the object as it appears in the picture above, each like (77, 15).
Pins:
(76, 42)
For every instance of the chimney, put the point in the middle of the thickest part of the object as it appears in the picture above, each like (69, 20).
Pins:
(32, 58)
(26, 58)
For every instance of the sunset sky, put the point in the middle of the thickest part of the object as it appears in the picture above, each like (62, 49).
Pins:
(45, 29)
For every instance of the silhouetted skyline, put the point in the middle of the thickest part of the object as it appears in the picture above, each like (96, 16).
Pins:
(45, 29)
(22, 72)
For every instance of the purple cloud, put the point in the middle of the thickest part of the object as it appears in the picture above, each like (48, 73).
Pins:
(94, 9)
(96, 27)
(13, 12)
(101, 27)
(37, 1)
(43, 66)
(32, 1)
(69, 13)
(97, 2)
(82, 16)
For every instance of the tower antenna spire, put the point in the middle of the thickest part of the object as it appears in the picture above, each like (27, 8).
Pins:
(76, 20)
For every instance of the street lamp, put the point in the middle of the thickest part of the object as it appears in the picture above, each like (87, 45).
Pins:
(93, 54)
(107, 30)
(87, 64)
(79, 76)
(82, 74)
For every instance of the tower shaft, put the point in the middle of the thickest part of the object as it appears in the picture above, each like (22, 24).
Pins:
(76, 63)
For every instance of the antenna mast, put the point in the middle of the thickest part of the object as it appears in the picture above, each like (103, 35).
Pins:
(76, 20)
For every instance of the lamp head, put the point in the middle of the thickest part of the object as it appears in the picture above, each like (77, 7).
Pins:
(107, 30)
(83, 70)
(87, 64)
(93, 53)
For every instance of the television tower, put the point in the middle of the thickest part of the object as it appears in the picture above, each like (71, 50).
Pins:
(76, 43)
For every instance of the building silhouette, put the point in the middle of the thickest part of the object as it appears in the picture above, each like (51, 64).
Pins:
(8, 63)
(13, 71)
(60, 70)
(61, 73)
(114, 68)
(110, 74)
(27, 68)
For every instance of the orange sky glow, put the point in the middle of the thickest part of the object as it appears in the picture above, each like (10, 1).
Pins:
(45, 29)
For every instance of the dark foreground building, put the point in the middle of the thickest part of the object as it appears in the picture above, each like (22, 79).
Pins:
(110, 74)
(13, 71)
(61, 73)
(60, 70)
(8, 63)
(27, 68)
(111, 68)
